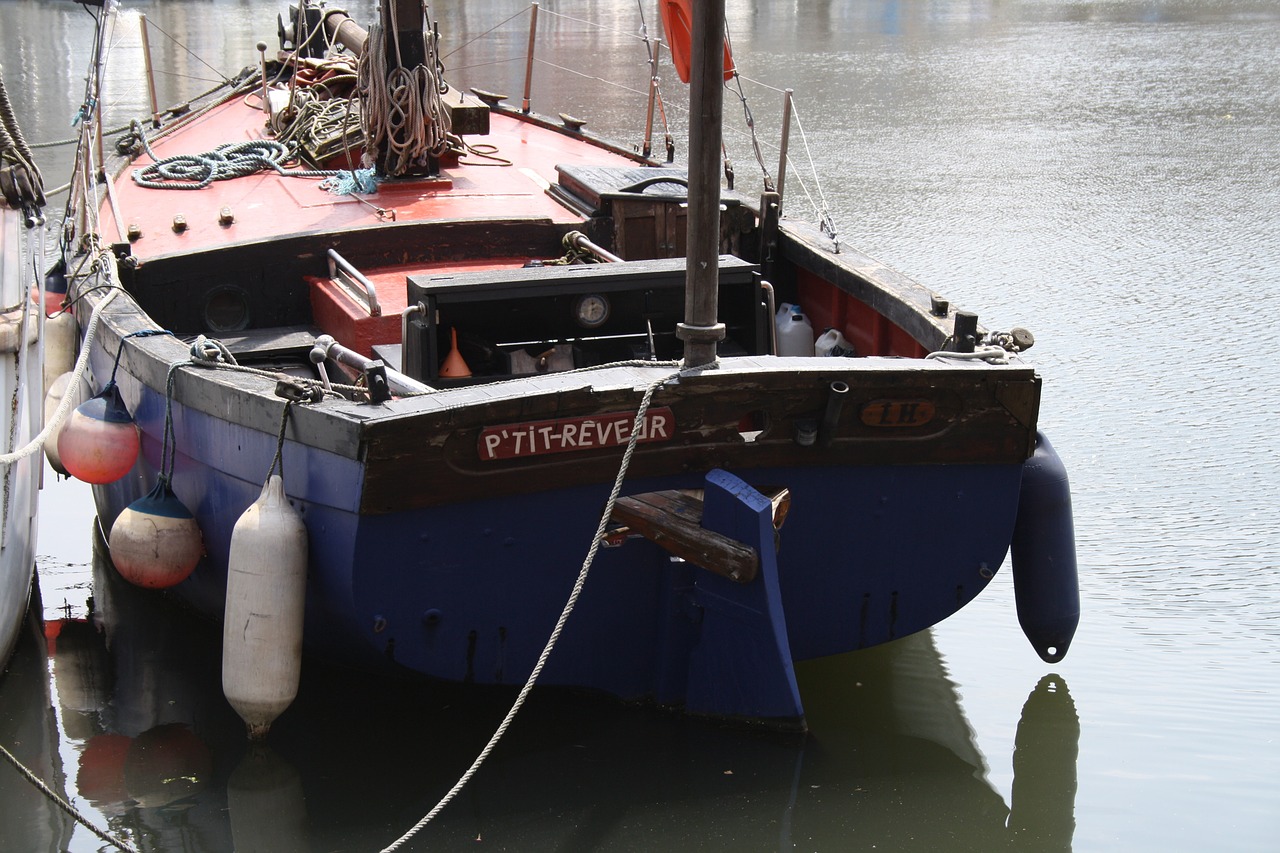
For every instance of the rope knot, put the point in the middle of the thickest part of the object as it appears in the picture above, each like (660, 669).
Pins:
(206, 352)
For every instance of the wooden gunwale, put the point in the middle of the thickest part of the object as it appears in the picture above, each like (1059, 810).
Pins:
(411, 441)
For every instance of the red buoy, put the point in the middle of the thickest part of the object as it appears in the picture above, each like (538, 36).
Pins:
(99, 442)
(156, 542)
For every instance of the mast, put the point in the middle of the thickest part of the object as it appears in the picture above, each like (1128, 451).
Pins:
(701, 329)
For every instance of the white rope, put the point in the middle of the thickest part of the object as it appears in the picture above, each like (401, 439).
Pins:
(82, 364)
(636, 429)
(63, 804)
(989, 354)
(402, 111)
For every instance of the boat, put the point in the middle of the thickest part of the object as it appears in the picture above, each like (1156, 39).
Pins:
(21, 371)
(483, 398)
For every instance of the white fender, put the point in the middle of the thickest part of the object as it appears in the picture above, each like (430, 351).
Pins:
(262, 627)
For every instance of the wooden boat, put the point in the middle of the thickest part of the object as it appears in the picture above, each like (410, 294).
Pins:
(453, 371)
(21, 384)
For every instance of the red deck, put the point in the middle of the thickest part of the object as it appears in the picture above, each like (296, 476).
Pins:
(267, 205)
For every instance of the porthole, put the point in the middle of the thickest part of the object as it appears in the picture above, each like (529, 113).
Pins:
(226, 310)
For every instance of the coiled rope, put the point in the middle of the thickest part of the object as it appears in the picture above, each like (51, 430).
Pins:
(402, 111)
(578, 584)
(232, 160)
(312, 119)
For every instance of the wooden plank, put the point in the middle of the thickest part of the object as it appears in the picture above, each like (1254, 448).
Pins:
(673, 519)
(971, 427)
(271, 341)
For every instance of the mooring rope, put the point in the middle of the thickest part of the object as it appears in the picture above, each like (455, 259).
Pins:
(989, 354)
(578, 584)
(61, 803)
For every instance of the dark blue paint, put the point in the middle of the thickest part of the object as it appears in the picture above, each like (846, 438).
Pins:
(1045, 578)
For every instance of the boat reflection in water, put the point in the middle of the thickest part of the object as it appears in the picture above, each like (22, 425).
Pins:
(890, 760)
(28, 729)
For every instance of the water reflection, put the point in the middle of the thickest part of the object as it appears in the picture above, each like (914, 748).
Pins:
(28, 820)
(890, 760)
(1041, 812)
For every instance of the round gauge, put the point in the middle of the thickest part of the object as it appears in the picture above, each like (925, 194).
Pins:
(591, 311)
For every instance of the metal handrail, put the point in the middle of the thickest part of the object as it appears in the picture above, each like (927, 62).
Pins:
(338, 263)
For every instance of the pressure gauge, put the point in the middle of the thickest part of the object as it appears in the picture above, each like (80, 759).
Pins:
(591, 310)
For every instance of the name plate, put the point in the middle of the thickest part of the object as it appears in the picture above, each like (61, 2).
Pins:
(566, 435)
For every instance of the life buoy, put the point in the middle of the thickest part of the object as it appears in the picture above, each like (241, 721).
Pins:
(677, 23)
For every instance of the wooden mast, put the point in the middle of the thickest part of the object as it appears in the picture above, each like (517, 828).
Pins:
(701, 329)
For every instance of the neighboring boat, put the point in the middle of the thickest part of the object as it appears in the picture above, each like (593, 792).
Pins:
(445, 373)
(21, 367)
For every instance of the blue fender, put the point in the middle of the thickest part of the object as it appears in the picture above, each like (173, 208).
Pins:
(1045, 582)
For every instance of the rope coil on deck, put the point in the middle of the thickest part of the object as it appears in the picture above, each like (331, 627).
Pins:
(231, 160)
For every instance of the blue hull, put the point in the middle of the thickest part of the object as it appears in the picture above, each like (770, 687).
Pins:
(470, 592)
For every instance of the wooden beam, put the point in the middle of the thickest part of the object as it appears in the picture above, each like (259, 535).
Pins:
(673, 519)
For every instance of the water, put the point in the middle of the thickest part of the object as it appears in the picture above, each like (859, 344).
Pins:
(1102, 173)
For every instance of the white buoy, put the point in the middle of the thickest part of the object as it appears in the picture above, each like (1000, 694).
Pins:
(155, 542)
(262, 627)
(59, 389)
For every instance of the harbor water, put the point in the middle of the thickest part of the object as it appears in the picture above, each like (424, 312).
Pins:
(1102, 173)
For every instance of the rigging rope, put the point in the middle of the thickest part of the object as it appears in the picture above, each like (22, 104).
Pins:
(21, 185)
(402, 111)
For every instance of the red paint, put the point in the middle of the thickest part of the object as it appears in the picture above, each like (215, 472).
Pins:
(870, 333)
